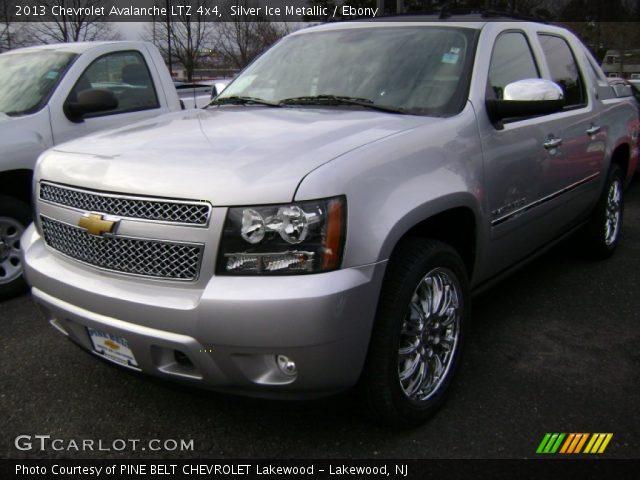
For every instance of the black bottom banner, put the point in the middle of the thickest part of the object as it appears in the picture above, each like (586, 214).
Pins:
(321, 469)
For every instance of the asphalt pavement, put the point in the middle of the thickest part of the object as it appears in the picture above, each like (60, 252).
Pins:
(554, 348)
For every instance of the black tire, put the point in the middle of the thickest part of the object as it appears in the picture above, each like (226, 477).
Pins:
(600, 238)
(15, 216)
(388, 399)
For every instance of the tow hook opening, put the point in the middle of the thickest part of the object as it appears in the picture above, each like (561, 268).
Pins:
(172, 361)
(182, 359)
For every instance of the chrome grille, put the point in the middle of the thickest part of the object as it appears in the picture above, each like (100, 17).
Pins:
(150, 258)
(129, 207)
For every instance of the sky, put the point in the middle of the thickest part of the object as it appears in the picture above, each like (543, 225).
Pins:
(131, 30)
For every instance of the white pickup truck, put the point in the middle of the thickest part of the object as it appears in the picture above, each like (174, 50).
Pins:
(54, 93)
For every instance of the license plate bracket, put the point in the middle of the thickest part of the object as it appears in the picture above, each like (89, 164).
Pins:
(112, 347)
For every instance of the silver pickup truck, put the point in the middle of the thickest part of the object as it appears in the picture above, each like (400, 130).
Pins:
(325, 222)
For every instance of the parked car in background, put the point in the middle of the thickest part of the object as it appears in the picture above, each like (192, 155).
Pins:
(54, 93)
(621, 84)
(324, 223)
(198, 94)
(194, 94)
(635, 85)
(219, 85)
(622, 87)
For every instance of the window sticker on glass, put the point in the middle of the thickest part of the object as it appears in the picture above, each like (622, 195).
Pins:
(451, 56)
(52, 75)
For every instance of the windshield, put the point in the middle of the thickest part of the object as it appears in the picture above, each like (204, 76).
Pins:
(420, 70)
(27, 78)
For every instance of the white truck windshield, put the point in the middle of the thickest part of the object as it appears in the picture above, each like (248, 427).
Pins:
(27, 79)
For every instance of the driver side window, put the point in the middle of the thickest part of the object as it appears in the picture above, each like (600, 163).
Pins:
(511, 60)
(126, 75)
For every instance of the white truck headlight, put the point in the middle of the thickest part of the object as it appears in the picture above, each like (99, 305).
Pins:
(301, 237)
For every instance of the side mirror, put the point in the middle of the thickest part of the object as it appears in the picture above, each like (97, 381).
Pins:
(92, 100)
(527, 98)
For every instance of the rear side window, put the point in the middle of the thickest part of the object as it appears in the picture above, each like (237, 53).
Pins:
(564, 69)
(595, 69)
(511, 60)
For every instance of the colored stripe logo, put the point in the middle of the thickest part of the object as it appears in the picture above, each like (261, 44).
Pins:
(568, 443)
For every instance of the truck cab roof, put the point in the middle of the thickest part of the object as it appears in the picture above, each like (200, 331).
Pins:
(75, 47)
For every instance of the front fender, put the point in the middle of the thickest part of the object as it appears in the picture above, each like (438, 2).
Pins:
(399, 181)
(22, 139)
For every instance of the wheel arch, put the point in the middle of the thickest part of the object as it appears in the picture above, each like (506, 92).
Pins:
(621, 156)
(456, 224)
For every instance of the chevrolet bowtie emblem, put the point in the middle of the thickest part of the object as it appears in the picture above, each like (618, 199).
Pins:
(95, 224)
(112, 345)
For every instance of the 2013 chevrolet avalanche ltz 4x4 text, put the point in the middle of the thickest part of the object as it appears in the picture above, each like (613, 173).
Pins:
(323, 223)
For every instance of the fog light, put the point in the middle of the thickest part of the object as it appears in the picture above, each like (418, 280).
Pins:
(286, 365)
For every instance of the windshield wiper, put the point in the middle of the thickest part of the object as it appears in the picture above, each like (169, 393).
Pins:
(339, 100)
(238, 100)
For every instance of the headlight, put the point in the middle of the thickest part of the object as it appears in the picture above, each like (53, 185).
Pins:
(301, 237)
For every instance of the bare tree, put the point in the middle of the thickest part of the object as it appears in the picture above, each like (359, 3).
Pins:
(242, 38)
(6, 34)
(190, 35)
(600, 27)
(624, 38)
(75, 27)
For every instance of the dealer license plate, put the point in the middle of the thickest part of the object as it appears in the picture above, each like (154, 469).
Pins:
(112, 347)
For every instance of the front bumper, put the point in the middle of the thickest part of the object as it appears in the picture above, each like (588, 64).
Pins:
(230, 331)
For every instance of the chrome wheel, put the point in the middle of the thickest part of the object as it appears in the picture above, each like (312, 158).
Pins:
(430, 334)
(418, 337)
(10, 263)
(613, 207)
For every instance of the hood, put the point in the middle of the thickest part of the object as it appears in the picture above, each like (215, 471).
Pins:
(232, 155)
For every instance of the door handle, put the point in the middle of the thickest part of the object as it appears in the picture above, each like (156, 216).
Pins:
(552, 143)
(593, 130)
